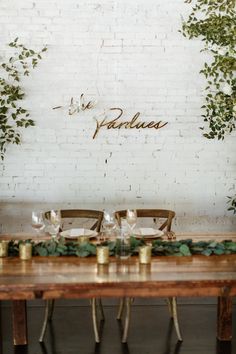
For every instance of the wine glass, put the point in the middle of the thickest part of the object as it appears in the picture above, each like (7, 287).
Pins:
(55, 222)
(37, 221)
(131, 218)
(109, 223)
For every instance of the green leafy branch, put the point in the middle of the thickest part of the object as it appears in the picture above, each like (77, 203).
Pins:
(159, 248)
(12, 115)
(215, 23)
(232, 204)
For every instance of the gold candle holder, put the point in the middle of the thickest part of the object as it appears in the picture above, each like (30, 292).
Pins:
(102, 254)
(25, 251)
(145, 254)
(3, 248)
(83, 239)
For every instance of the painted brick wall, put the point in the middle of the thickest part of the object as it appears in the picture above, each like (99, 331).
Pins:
(125, 54)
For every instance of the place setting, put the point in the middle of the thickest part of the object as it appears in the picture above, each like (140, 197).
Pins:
(49, 225)
(145, 233)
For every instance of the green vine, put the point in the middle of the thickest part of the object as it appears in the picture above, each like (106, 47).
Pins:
(214, 21)
(232, 204)
(159, 248)
(12, 115)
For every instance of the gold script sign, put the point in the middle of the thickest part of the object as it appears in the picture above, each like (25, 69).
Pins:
(133, 123)
(77, 106)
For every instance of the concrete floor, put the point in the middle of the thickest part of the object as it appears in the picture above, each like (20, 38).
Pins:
(151, 332)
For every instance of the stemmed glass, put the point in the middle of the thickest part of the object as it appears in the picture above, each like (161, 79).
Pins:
(37, 221)
(109, 223)
(55, 222)
(131, 218)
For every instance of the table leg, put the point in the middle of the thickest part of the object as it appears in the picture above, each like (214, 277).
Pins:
(1, 338)
(223, 347)
(224, 318)
(19, 318)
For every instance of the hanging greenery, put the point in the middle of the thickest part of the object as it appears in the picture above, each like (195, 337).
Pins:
(214, 21)
(12, 115)
(232, 204)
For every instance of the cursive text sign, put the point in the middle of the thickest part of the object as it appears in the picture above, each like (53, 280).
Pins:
(77, 106)
(133, 123)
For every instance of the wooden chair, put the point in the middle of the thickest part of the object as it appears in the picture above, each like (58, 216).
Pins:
(165, 217)
(71, 215)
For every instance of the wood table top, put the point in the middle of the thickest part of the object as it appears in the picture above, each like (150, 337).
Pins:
(75, 277)
(68, 277)
(53, 277)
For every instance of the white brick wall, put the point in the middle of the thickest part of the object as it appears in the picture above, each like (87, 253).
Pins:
(128, 54)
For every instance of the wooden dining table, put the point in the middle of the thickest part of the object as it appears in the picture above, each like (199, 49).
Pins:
(74, 277)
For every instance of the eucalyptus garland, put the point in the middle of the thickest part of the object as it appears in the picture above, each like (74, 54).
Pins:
(61, 247)
(12, 115)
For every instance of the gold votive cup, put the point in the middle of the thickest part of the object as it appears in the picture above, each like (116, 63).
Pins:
(145, 254)
(25, 251)
(102, 254)
(3, 248)
(83, 239)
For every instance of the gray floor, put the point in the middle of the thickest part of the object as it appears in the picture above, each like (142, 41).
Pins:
(151, 331)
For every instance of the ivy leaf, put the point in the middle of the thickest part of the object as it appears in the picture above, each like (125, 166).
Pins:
(91, 248)
(231, 246)
(212, 244)
(82, 253)
(42, 251)
(218, 251)
(184, 249)
(207, 252)
(51, 247)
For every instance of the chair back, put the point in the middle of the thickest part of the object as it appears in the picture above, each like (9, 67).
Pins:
(97, 215)
(166, 215)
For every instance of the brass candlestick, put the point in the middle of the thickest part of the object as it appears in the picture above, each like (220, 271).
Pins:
(102, 254)
(3, 248)
(145, 253)
(25, 251)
